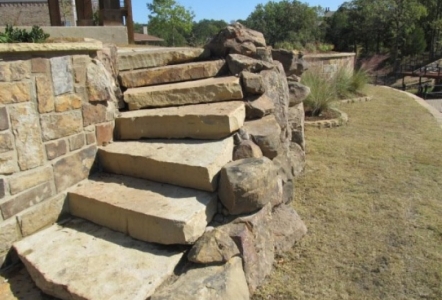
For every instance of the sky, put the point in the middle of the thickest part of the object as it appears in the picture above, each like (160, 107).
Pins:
(226, 10)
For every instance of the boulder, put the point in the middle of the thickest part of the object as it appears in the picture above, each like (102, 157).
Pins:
(252, 83)
(236, 38)
(287, 228)
(264, 53)
(265, 133)
(260, 107)
(293, 62)
(297, 93)
(214, 246)
(296, 121)
(238, 63)
(247, 185)
(275, 84)
(208, 283)
(297, 159)
(246, 149)
(254, 239)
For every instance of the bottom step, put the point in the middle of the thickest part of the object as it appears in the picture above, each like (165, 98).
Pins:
(81, 260)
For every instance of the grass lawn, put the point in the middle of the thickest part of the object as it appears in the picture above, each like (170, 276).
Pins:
(371, 197)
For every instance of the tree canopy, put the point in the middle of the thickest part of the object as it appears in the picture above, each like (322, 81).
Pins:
(170, 20)
(286, 21)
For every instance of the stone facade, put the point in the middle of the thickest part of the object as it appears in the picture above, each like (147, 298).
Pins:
(50, 128)
(330, 63)
(26, 14)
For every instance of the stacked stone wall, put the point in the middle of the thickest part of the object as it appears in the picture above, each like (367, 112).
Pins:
(330, 63)
(54, 113)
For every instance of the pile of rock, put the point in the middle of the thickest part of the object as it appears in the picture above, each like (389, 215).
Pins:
(255, 220)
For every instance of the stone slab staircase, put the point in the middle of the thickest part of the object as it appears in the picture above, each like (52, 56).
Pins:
(157, 187)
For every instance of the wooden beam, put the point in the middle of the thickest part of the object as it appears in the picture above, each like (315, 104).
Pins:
(84, 12)
(54, 12)
(129, 21)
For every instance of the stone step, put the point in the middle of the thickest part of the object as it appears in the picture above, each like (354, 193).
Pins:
(139, 58)
(173, 73)
(145, 210)
(201, 121)
(81, 260)
(183, 93)
(187, 163)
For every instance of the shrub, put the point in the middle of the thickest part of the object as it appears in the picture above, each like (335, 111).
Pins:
(16, 35)
(326, 89)
(358, 81)
(322, 92)
(342, 80)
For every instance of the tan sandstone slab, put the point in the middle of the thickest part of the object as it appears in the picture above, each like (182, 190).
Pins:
(187, 163)
(183, 93)
(201, 121)
(138, 58)
(81, 260)
(146, 210)
(173, 73)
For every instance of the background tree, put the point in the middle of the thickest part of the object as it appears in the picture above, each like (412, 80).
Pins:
(170, 21)
(204, 30)
(286, 21)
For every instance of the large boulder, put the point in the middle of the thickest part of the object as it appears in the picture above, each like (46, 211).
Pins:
(266, 133)
(246, 149)
(214, 246)
(276, 88)
(208, 283)
(298, 93)
(252, 83)
(257, 108)
(293, 62)
(254, 238)
(296, 121)
(238, 63)
(247, 185)
(236, 38)
(287, 228)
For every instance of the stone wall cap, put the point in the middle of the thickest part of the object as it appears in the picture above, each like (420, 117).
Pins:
(328, 55)
(86, 45)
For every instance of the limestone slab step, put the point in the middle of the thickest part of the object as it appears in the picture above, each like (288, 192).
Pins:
(173, 73)
(138, 58)
(146, 210)
(81, 260)
(201, 121)
(184, 93)
(187, 163)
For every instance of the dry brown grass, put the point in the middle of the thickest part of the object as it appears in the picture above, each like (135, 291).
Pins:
(371, 197)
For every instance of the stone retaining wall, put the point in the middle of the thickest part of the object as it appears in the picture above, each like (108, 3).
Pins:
(330, 63)
(55, 110)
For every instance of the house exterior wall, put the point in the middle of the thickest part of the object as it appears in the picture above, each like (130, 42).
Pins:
(54, 113)
(25, 14)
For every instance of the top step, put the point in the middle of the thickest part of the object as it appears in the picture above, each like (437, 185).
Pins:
(139, 58)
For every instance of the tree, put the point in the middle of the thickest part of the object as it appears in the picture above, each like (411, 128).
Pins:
(286, 21)
(170, 21)
(204, 30)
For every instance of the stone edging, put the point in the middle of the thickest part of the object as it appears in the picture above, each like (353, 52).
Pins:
(339, 121)
(354, 100)
(436, 114)
(86, 45)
